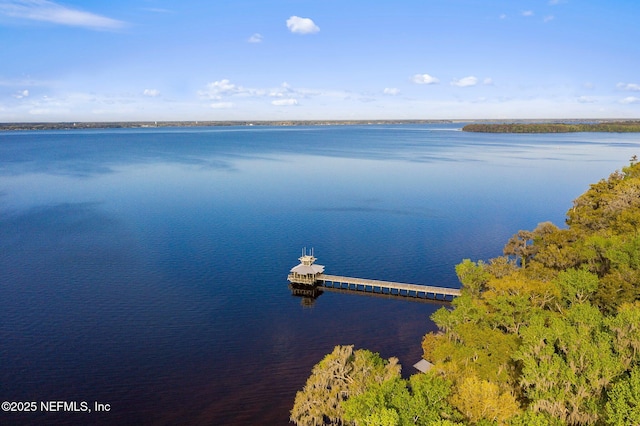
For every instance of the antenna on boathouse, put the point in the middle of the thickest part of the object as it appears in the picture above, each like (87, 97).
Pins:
(306, 272)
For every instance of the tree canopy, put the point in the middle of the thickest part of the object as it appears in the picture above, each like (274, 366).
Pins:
(608, 126)
(547, 334)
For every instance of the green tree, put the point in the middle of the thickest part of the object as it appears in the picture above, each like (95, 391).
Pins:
(473, 276)
(616, 261)
(576, 285)
(338, 376)
(623, 407)
(430, 401)
(567, 363)
(481, 400)
(529, 418)
(521, 247)
(501, 266)
(625, 326)
(467, 309)
(378, 405)
(546, 335)
(479, 351)
(604, 205)
(616, 288)
(557, 250)
(421, 401)
(513, 298)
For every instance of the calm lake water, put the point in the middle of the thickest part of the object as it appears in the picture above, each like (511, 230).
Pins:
(146, 269)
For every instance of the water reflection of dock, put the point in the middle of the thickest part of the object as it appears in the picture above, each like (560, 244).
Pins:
(307, 277)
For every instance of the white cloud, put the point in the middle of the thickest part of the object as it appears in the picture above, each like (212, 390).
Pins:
(300, 25)
(527, 13)
(424, 79)
(488, 81)
(587, 99)
(503, 16)
(217, 89)
(157, 10)
(286, 91)
(48, 11)
(630, 100)
(285, 102)
(21, 94)
(465, 81)
(256, 38)
(282, 91)
(391, 91)
(284, 95)
(151, 92)
(549, 18)
(633, 87)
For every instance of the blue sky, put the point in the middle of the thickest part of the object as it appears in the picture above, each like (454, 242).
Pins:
(324, 59)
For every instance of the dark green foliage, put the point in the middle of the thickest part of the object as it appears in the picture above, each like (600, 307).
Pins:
(617, 127)
(623, 407)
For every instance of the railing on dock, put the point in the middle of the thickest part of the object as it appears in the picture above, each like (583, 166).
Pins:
(306, 277)
(387, 287)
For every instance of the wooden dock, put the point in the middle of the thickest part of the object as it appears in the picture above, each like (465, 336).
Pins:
(387, 287)
(306, 277)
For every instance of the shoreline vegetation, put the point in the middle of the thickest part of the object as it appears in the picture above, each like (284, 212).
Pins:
(547, 334)
(198, 123)
(609, 126)
(483, 126)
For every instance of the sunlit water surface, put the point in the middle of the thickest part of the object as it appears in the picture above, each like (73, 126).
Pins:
(146, 269)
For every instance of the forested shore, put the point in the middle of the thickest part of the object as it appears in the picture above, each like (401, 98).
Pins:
(151, 124)
(525, 126)
(547, 334)
(609, 126)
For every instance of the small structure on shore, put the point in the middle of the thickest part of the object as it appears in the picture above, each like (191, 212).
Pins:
(306, 272)
(423, 365)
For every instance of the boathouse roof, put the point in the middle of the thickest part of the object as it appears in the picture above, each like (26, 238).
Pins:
(307, 269)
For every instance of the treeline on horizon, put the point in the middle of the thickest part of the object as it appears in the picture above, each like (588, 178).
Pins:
(79, 125)
(611, 127)
(546, 335)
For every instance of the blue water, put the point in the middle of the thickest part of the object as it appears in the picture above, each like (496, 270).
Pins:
(146, 269)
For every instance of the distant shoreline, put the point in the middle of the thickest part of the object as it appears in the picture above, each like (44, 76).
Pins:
(152, 124)
(484, 126)
(630, 126)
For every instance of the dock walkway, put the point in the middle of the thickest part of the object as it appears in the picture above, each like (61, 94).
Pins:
(307, 276)
(387, 287)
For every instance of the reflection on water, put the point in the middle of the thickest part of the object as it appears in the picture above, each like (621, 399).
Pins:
(147, 268)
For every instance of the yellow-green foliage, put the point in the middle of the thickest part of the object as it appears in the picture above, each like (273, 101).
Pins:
(341, 374)
(483, 400)
(569, 314)
(548, 334)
